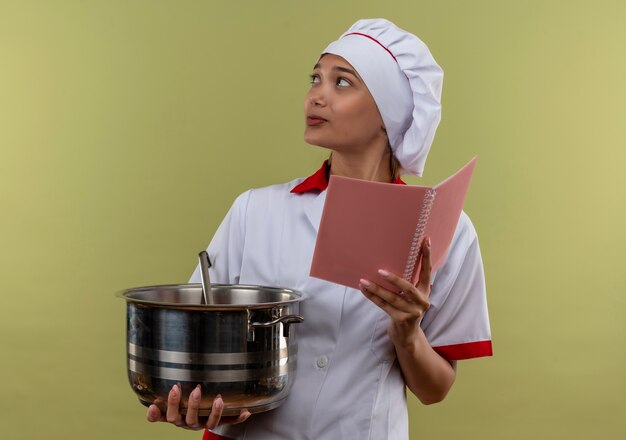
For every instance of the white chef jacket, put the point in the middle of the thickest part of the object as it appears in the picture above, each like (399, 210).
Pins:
(348, 384)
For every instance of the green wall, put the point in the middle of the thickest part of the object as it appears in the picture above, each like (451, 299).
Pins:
(128, 127)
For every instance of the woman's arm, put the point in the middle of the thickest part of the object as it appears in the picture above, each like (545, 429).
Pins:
(426, 373)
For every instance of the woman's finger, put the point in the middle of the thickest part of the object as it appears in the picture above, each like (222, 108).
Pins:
(408, 296)
(173, 406)
(390, 302)
(216, 413)
(192, 409)
(402, 284)
(426, 266)
(154, 414)
(243, 416)
(410, 302)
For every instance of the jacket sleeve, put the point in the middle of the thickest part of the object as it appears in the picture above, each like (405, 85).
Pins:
(457, 322)
(226, 248)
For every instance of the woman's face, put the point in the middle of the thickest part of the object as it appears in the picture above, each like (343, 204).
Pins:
(339, 109)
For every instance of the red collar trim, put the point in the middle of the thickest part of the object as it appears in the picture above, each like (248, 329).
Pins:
(318, 181)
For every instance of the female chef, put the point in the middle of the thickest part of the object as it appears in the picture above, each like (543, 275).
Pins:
(375, 103)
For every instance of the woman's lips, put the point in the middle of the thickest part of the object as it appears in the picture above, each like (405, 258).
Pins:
(312, 121)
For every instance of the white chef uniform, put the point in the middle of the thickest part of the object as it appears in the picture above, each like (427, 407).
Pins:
(348, 384)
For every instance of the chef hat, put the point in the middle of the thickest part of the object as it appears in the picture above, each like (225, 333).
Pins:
(404, 80)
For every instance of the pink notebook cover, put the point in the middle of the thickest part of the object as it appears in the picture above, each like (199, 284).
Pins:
(366, 226)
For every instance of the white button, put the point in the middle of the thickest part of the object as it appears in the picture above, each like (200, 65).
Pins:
(322, 361)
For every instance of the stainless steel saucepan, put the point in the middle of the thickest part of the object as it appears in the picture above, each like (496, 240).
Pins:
(242, 345)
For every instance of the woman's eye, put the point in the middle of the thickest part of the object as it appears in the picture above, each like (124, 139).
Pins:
(342, 82)
(315, 79)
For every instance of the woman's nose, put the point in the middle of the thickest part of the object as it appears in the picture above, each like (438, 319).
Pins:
(317, 98)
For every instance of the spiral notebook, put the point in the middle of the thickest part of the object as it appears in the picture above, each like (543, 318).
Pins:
(366, 226)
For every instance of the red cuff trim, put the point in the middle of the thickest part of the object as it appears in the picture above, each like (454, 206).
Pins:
(208, 435)
(467, 350)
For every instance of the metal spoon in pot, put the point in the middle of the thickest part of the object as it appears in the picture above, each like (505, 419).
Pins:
(205, 263)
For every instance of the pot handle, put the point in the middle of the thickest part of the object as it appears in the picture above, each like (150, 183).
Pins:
(287, 320)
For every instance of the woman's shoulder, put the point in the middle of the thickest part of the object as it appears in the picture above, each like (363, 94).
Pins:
(268, 194)
(272, 191)
(465, 230)
(278, 188)
(462, 247)
(465, 237)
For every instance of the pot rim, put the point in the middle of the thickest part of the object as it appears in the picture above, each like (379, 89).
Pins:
(124, 294)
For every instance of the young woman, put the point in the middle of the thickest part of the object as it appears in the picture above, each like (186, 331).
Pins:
(375, 103)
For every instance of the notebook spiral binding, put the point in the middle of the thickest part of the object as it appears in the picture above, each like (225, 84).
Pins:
(418, 235)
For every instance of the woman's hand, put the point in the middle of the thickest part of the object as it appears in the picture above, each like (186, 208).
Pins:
(428, 375)
(191, 420)
(406, 308)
